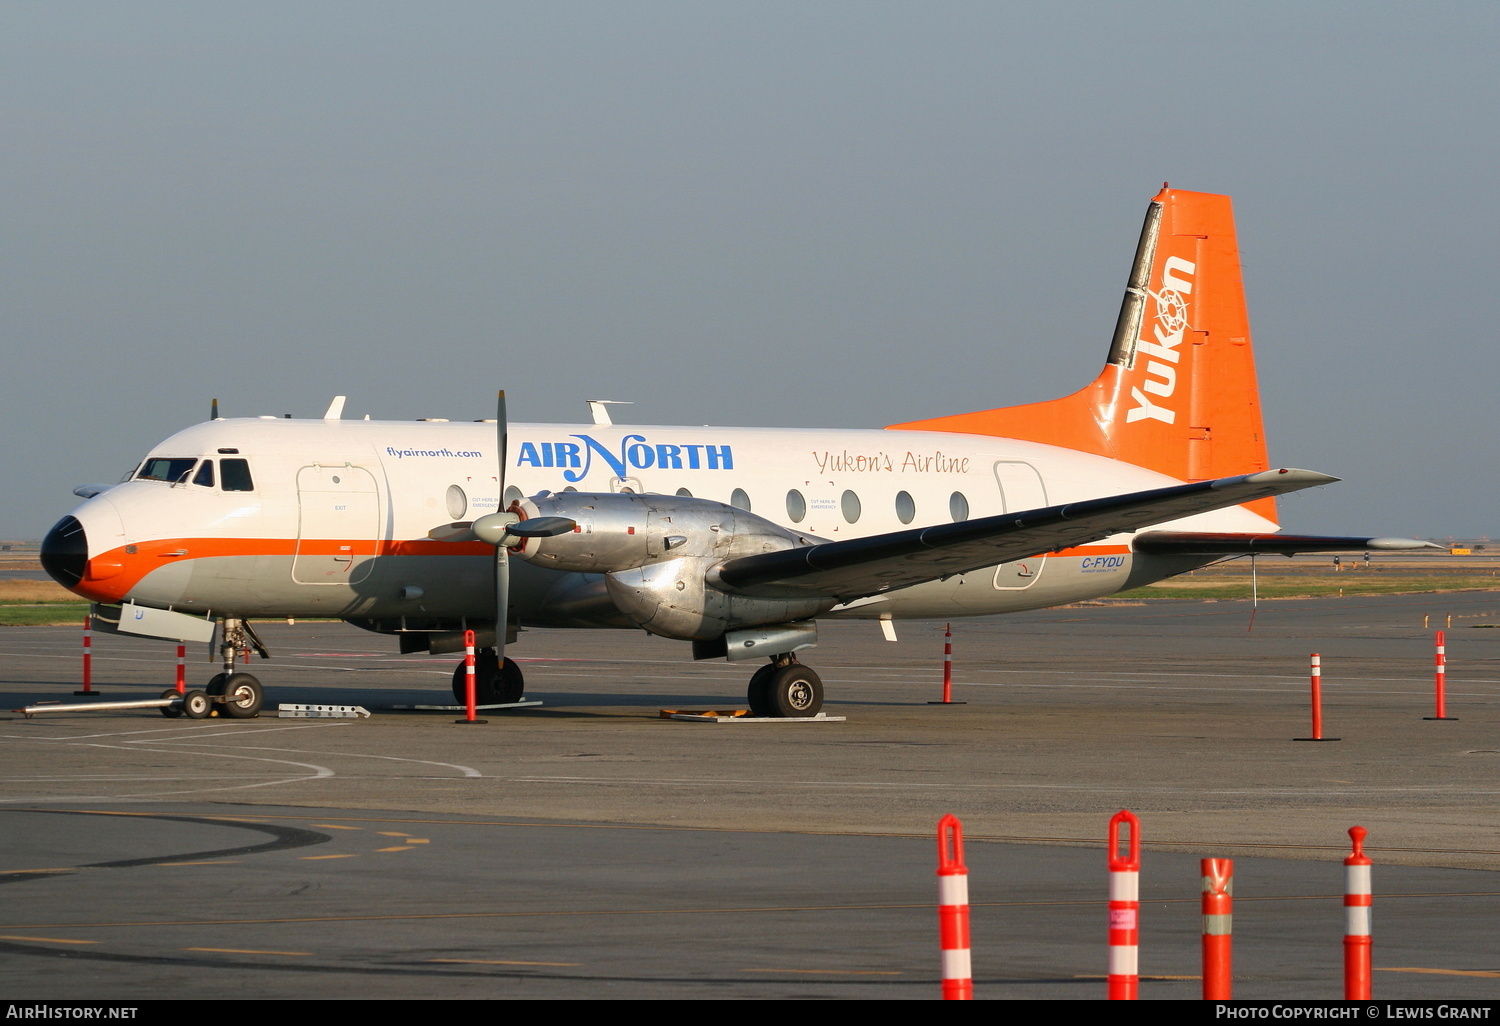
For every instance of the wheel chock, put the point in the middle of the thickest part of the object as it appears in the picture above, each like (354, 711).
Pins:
(313, 712)
(523, 704)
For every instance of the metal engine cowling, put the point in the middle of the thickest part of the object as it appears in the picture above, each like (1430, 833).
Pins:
(656, 552)
(623, 530)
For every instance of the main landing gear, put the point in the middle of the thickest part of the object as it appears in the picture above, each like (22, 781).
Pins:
(495, 683)
(784, 687)
(238, 696)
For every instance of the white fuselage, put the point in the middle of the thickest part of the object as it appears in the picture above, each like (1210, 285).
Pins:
(337, 517)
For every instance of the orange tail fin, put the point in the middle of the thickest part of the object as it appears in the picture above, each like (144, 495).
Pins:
(1178, 393)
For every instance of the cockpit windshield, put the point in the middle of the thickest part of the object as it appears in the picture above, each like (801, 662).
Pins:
(166, 468)
(234, 474)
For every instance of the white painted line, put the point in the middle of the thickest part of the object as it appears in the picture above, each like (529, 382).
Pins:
(240, 732)
(465, 770)
(318, 773)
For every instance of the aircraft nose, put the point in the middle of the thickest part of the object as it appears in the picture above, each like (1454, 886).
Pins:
(65, 552)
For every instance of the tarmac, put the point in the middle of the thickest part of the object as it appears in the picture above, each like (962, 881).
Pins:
(589, 848)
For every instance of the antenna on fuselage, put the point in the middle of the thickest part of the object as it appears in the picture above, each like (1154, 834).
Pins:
(599, 408)
(335, 408)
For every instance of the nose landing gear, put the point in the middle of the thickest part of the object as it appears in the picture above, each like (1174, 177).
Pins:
(238, 696)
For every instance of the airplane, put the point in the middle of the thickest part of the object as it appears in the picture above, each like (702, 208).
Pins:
(735, 540)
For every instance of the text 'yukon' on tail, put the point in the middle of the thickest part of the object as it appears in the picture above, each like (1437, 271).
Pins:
(1178, 394)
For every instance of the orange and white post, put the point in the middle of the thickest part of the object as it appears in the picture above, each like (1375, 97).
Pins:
(470, 713)
(181, 681)
(1124, 909)
(1357, 904)
(1317, 697)
(88, 655)
(1218, 928)
(953, 911)
(948, 664)
(1440, 678)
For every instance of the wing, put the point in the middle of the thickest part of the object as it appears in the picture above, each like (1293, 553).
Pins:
(1193, 543)
(866, 566)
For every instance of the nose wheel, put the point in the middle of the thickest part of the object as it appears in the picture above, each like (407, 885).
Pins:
(241, 694)
(787, 689)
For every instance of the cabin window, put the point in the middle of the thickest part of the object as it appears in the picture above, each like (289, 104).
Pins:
(740, 499)
(850, 507)
(205, 475)
(512, 494)
(684, 493)
(958, 507)
(166, 468)
(458, 502)
(796, 506)
(906, 507)
(234, 476)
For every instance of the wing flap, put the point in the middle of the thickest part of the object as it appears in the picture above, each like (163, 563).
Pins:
(866, 566)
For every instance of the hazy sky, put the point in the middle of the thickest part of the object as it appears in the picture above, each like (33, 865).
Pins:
(841, 214)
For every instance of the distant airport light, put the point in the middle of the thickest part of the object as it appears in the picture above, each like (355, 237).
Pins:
(1124, 909)
(953, 911)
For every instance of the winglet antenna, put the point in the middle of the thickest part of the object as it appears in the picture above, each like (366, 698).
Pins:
(600, 409)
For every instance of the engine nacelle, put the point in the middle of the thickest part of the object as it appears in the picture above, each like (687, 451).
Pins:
(656, 553)
(618, 531)
(672, 598)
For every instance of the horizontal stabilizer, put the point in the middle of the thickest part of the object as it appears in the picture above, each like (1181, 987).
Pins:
(1190, 543)
(867, 566)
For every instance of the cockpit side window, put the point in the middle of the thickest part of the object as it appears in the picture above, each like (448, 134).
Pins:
(234, 476)
(166, 468)
(205, 475)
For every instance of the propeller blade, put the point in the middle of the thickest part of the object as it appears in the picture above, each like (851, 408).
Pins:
(541, 527)
(463, 531)
(213, 410)
(502, 557)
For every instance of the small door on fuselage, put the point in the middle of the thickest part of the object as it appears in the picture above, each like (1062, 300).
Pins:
(338, 524)
(1021, 488)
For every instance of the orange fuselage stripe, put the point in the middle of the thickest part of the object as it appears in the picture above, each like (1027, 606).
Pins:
(111, 575)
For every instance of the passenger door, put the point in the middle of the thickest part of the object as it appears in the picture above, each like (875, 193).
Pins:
(338, 524)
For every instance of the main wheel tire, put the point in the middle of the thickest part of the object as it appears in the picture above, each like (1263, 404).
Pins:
(758, 695)
(510, 685)
(494, 683)
(243, 697)
(173, 711)
(196, 705)
(485, 668)
(795, 690)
